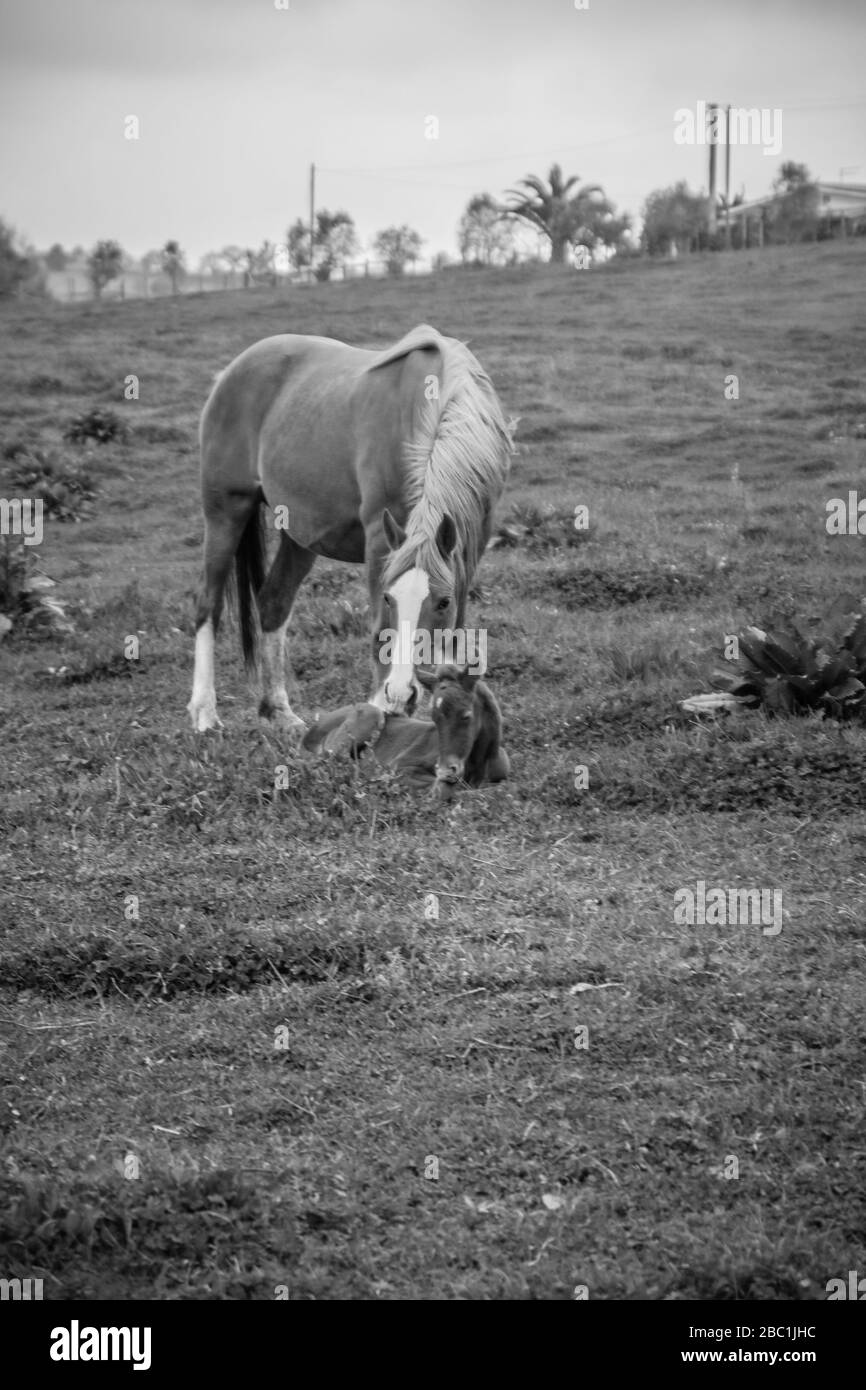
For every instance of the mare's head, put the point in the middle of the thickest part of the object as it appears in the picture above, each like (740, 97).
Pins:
(418, 597)
(458, 713)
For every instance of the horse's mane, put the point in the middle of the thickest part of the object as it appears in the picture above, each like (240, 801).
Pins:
(456, 461)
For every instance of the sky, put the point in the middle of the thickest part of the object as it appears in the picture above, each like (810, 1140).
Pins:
(236, 98)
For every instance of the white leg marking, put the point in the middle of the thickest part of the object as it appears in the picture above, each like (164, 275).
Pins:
(274, 691)
(202, 706)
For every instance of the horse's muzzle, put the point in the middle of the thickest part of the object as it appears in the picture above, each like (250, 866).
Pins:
(451, 774)
(403, 703)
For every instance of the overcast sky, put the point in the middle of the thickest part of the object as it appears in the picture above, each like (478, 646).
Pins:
(235, 98)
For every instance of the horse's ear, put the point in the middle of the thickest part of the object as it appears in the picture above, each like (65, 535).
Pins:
(469, 679)
(446, 537)
(427, 678)
(394, 534)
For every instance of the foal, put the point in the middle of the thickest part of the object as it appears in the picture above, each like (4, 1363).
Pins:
(462, 743)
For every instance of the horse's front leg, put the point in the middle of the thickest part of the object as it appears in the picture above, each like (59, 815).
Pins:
(291, 566)
(375, 565)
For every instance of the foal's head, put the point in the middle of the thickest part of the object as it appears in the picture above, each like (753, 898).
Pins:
(458, 713)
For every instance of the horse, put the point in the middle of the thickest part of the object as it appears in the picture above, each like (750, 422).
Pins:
(390, 459)
(461, 743)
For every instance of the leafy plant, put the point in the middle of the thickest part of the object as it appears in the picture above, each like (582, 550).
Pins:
(64, 486)
(785, 671)
(24, 598)
(538, 528)
(99, 423)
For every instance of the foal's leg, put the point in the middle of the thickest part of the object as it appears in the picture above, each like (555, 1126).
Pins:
(223, 532)
(289, 570)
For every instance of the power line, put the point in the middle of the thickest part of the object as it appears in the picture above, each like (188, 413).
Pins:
(501, 158)
(372, 171)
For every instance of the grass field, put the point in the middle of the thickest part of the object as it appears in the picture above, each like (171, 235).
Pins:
(237, 1056)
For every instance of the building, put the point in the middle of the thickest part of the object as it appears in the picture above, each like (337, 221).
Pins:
(841, 212)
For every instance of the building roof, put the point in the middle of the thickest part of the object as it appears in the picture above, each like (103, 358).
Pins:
(834, 199)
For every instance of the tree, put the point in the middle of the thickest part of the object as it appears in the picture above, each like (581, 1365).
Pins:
(485, 233)
(103, 265)
(601, 226)
(213, 264)
(262, 266)
(173, 263)
(258, 266)
(335, 240)
(673, 217)
(584, 217)
(15, 266)
(150, 264)
(234, 257)
(298, 245)
(56, 258)
(397, 246)
(793, 213)
(791, 177)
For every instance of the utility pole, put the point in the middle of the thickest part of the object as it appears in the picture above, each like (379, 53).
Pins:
(312, 215)
(712, 137)
(728, 177)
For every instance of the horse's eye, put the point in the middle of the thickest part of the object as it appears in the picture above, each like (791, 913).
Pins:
(467, 716)
(442, 605)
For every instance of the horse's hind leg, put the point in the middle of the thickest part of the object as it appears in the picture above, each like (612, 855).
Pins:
(288, 572)
(223, 532)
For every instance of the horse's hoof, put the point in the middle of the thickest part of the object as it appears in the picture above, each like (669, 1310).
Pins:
(204, 719)
(285, 719)
(290, 724)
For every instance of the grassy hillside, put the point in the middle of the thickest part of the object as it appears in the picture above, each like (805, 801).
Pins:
(237, 1054)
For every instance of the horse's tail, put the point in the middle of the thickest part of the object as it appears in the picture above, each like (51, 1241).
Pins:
(249, 578)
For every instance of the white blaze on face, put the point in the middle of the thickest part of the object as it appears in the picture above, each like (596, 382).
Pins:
(407, 599)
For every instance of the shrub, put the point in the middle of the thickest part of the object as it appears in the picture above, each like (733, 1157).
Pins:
(538, 529)
(784, 671)
(64, 486)
(99, 423)
(24, 600)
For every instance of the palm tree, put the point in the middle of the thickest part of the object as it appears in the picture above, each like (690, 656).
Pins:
(549, 208)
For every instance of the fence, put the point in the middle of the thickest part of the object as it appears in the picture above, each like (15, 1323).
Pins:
(73, 285)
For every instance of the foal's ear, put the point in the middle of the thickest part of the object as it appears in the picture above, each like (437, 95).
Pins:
(427, 678)
(394, 534)
(446, 536)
